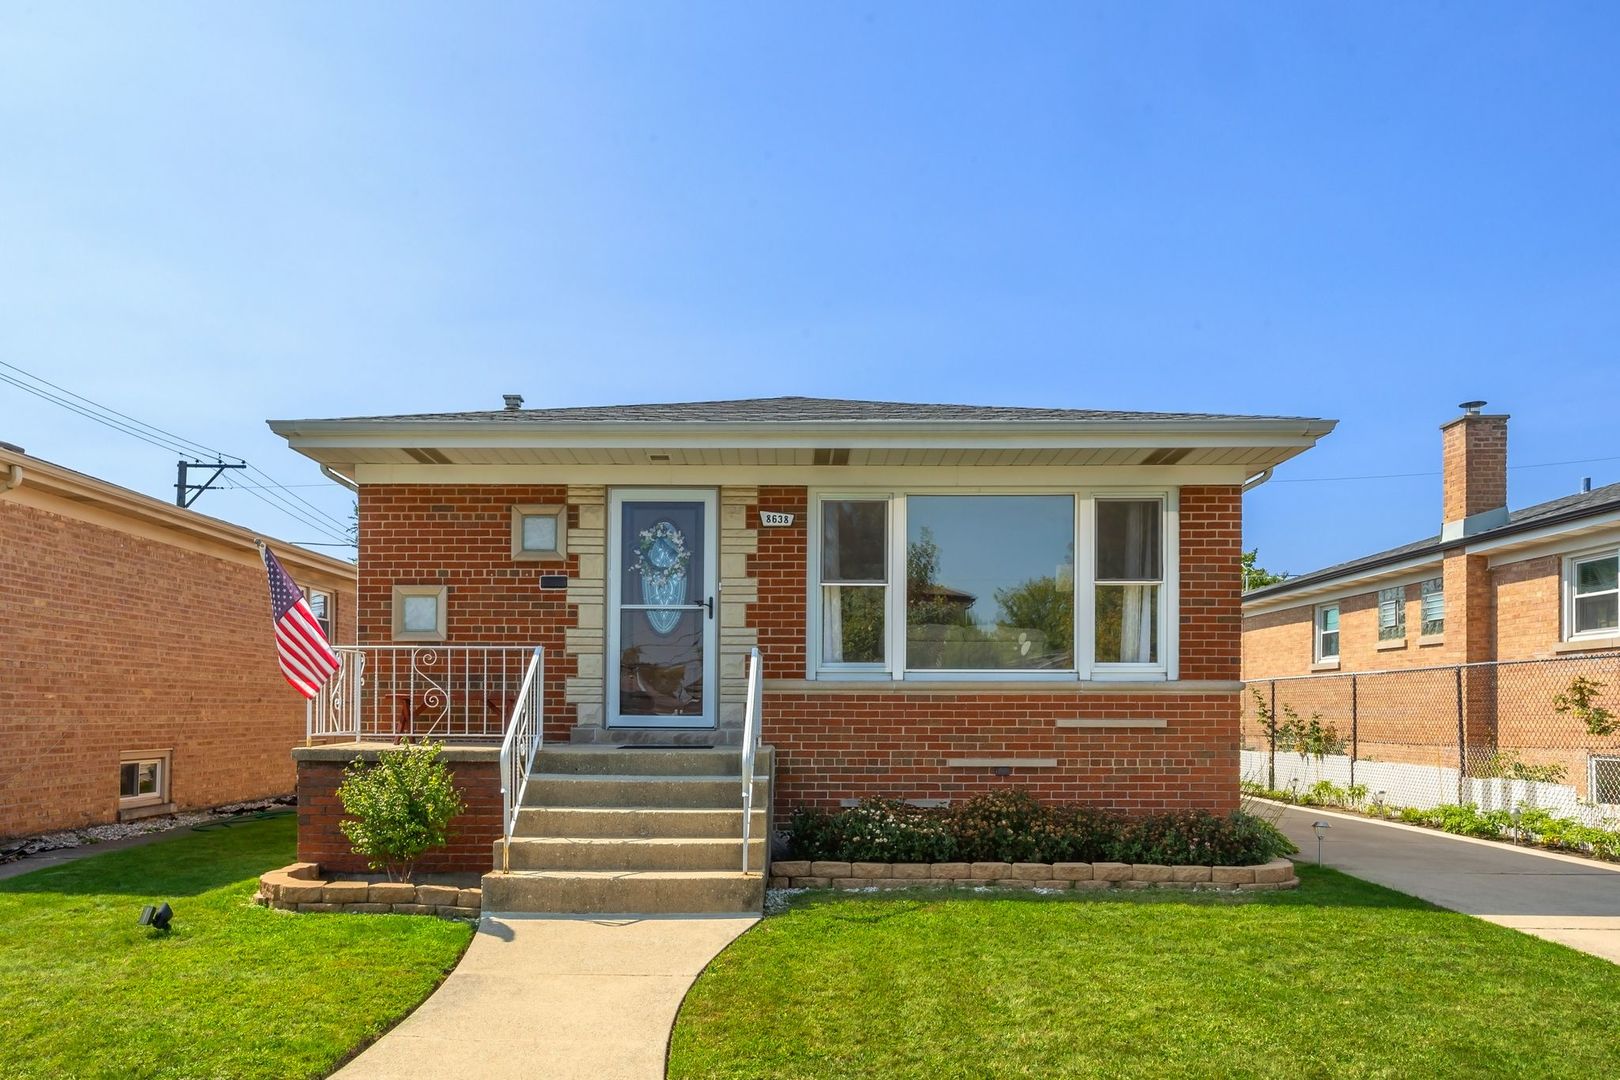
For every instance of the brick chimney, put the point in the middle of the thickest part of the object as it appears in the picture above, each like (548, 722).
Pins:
(1474, 467)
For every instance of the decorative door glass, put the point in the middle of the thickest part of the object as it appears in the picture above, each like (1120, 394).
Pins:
(663, 609)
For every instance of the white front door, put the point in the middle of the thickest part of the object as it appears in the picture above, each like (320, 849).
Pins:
(662, 630)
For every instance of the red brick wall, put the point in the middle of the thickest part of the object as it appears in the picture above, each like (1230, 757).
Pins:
(471, 835)
(780, 566)
(1211, 582)
(461, 536)
(114, 642)
(837, 746)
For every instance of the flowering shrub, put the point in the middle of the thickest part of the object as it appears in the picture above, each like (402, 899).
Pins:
(1011, 825)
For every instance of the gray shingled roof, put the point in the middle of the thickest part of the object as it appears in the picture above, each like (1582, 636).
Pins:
(799, 410)
(1555, 511)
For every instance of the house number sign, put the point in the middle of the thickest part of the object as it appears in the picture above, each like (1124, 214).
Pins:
(773, 519)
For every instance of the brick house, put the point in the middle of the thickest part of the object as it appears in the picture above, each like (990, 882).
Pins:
(945, 598)
(139, 675)
(1488, 619)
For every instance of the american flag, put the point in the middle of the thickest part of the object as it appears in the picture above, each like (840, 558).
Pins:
(305, 657)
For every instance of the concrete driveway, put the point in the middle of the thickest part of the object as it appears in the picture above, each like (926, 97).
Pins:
(1559, 897)
(563, 997)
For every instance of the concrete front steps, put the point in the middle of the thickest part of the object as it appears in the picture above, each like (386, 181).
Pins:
(634, 831)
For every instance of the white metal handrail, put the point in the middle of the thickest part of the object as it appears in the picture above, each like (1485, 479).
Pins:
(430, 691)
(524, 736)
(750, 743)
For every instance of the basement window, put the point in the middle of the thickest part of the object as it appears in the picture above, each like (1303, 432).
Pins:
(143, 779)
(1604, 779)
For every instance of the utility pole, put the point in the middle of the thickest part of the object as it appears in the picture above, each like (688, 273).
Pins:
(186, 493)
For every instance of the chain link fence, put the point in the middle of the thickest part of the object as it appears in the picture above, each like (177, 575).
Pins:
(1541, 733)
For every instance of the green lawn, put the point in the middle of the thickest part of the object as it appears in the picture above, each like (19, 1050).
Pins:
(1339, 979)
(233, 991)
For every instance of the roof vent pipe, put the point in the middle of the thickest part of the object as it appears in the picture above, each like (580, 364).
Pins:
(1586, 484)
(1471, 408)
(514, 402)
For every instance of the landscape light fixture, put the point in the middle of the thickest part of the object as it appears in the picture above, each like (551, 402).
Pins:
(1320, 828)
(157, 917)
(1517, 813)
(1378, 801)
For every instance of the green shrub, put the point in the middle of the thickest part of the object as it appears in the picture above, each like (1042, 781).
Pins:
(399, 807)
(1011, 825)
(1199, 838)
(876, 830)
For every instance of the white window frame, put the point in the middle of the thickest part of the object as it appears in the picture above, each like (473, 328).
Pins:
(439, 592)
(326, 622)
(1085, 670)
(160, 758)
(844, 669)
(1317, 631)
(1571, 562)
(1592, 785)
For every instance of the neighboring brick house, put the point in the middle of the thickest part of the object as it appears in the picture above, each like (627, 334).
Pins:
(138, 674)
(1482, 628)
(1494, 584)
(947, 598)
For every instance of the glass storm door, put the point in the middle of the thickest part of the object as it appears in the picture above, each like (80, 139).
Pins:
(662, 626)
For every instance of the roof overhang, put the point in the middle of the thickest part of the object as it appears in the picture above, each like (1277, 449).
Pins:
(1250, 444)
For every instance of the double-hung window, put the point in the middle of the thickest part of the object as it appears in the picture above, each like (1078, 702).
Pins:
(1327, 633)
(1038, 585)
(854, 582)
(1129, 576)
(1392, 613)
(1592, 595)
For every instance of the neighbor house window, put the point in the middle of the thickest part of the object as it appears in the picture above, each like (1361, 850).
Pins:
(539, 532)
(1327, 633)
(1129, 575)
(1603, 779)
(320, 605)
(143, 778)
(989, 583)
(1592, 585)
(854, 581)
(1433, 603)
(1392, 613)
(419, 612)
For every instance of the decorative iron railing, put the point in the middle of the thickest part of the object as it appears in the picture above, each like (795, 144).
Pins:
(750, 743)
(524, 735)
(392, 692)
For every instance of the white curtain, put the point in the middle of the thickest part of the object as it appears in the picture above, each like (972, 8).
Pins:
(832, 624)
(1136, 625)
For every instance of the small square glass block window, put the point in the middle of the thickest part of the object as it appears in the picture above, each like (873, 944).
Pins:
(538, 532)
(421, 614)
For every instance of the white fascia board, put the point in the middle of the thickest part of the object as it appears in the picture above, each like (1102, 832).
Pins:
(1009, 435)
(1550, 540)
(964, 478)
(1405, 572)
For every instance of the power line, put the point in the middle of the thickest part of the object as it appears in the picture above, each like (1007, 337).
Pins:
(1433, 472)
(290, 503)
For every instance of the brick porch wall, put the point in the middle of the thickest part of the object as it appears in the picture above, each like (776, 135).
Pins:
(471, 835)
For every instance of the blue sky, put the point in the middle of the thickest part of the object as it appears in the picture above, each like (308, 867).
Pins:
(211, 215)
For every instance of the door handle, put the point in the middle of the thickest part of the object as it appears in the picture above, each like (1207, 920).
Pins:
(709, 603)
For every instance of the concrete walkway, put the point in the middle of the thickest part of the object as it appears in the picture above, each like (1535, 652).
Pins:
(557, 998)
(1559, 897)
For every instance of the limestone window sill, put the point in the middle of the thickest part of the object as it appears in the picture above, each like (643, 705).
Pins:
(1592, 644)
(1392, 643)
(1325, 665)
(1431, 641)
